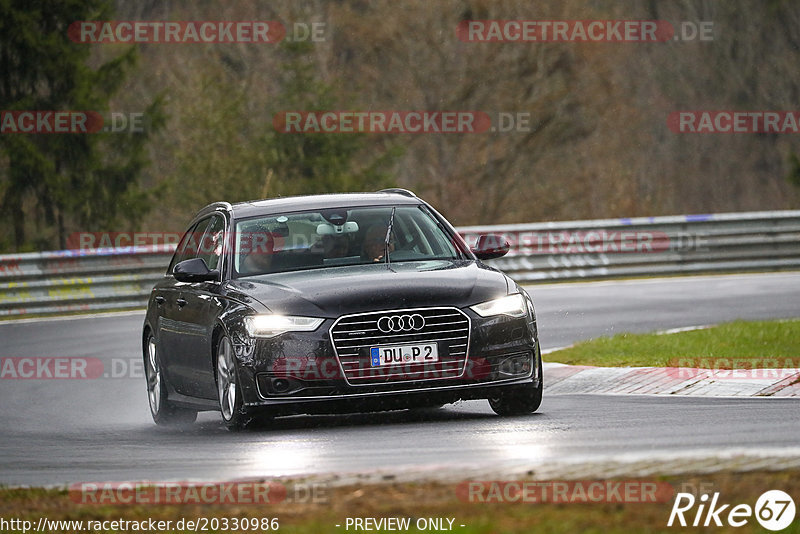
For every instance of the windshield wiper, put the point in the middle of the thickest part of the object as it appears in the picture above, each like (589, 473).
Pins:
(388, 236)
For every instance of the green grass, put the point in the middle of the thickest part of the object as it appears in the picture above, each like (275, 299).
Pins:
(762, 344)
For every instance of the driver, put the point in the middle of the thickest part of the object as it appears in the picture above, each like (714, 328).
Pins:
(374, 245)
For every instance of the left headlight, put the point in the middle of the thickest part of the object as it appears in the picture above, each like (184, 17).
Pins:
(275, 325)
(512, 305)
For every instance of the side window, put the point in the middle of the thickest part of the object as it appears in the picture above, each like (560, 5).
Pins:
(190, 242)
(212, 241)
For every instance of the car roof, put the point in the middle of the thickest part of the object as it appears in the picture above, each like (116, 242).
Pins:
(274, 206)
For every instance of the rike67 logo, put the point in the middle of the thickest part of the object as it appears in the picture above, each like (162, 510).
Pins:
(774, 510)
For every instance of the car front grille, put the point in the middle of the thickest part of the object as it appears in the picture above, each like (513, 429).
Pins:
(354, 335)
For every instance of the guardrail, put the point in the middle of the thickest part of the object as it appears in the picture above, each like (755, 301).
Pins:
(101, 279)
(80, 280)
(646, 246)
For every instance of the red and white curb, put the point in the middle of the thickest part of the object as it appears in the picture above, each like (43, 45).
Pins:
(570, 379)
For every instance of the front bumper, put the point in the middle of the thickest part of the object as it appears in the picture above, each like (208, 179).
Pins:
(382, 401)
(301, 372)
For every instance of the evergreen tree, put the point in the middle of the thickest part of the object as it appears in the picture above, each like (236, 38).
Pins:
(68, 181)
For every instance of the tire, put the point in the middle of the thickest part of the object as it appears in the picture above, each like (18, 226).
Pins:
(234, 415)
(522, 400)
(164, 413)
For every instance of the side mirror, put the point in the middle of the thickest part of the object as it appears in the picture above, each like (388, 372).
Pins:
(490, 246)
(194, 270)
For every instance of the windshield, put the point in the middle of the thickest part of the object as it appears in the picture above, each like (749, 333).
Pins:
(334, 237)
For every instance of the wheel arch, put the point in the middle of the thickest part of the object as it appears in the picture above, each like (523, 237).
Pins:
(218, 331)
(147, 331)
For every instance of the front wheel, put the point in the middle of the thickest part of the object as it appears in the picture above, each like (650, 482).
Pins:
(163, 412)
(521, 400)
(234, 414)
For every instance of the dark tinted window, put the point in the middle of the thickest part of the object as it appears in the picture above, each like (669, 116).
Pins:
(189, 244)
(316, 239)
(212, 241)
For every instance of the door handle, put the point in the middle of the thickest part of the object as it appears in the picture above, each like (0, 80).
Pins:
(160, 300)
(181, 303)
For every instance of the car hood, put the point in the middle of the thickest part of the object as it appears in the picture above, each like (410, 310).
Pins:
(334, 291)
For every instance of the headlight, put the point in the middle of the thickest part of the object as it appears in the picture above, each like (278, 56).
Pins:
(513, 305)
(275, 325)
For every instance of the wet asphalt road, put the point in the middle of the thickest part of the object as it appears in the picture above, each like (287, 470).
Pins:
(60, 431)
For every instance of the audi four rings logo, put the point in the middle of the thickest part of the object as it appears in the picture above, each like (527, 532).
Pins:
(401, 323)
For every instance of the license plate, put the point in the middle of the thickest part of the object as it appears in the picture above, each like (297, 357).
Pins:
(403, 354)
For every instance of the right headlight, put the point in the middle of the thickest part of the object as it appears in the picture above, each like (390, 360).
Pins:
(512, 305)
(274, 325)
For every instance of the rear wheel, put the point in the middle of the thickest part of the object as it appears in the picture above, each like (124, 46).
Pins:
(163, 412)
(520, 400)
(234, 414)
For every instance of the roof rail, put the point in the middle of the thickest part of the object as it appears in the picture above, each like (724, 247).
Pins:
(399, 191)
(224, 205)
(215, 206)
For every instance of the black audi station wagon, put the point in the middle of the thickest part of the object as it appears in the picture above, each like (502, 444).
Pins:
(335, 303)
